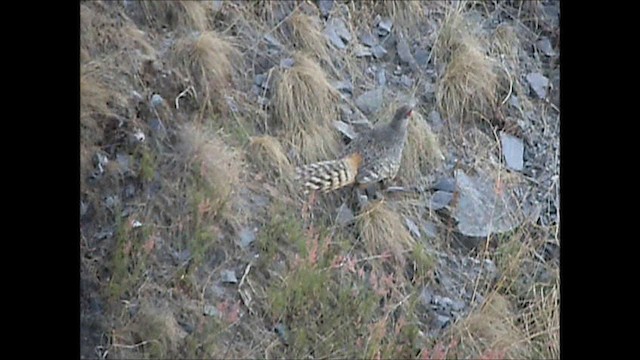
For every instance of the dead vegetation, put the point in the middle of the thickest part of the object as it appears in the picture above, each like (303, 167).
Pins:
(212, 191)
(469, 81)
(181, 15)
(218, 166)
(210, 60)
(307, 36)
(304, 106)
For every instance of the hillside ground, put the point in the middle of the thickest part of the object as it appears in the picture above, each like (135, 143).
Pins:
(196, 242)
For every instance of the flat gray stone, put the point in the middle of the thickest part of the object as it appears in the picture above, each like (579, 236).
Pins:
(435, 121)
(336, 31)
(426, 296)
(343, 86)
(287, 63)
(210, 310)
(514, 101)
(422, 57)
(281, 330)
(260, 80)
(404, 52)
(413, 228)
(379, 51)
(544, 45)
(430, 229)
(273, 41)
(342, 30)
(156, 100)
(247, 237)
(371, 101)
(513, 151)
(217, 5)
(406, 81)
(539, 84)
(325, 7)
(84, 207)
(481, 210)
(368, 39)
(229, 277)
(440, 199)
(384, 26)
(442, 321)
(346, 129)
(123, 161)
(362, 51)
(381, 77)
(344, 216)
(446, 184)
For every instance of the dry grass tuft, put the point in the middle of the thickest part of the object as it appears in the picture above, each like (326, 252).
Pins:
(505, 46)
(156, 328)
(177, 15)
(470, 77)
(308, 36)
(304, 105)
(491, 329)
(382, 230)
(216, 164)
(268, 154)
(210, 59)
(102, 32)
(404, 13)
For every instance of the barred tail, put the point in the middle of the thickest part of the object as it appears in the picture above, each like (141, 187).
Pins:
(329, 175)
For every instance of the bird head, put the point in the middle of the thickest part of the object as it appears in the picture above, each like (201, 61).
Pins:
(402, 115)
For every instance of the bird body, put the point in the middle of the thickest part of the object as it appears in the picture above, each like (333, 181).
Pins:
(373, 156)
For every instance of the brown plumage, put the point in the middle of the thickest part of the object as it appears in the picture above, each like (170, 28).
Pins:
(373, 156)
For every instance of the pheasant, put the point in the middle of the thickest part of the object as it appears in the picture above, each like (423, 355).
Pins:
(373, 156)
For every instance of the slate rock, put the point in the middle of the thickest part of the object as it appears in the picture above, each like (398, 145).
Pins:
(426, 296)
(325, 7)
(544, 45)
(371, 101)
(406, 81)
(379, 51)
(381, 77)
(345, 215)
(440, 199)
(343, 86)
(261, 80)
(156, 100)
(273, 41)
(404, 52)
(413, 228)
(446, 184)
(123, 161)
(362, 51)
(481, 210)
(513, 151)
(441, 321)
(337, 33)
(287, 63)
(210, 310)
(435, 120)
(247, 237)
(347, 130)
(430, 229)
(539, 84)
(384, 27)
(217, 5)
(367, 39)
(229, 277)
(422, 57)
